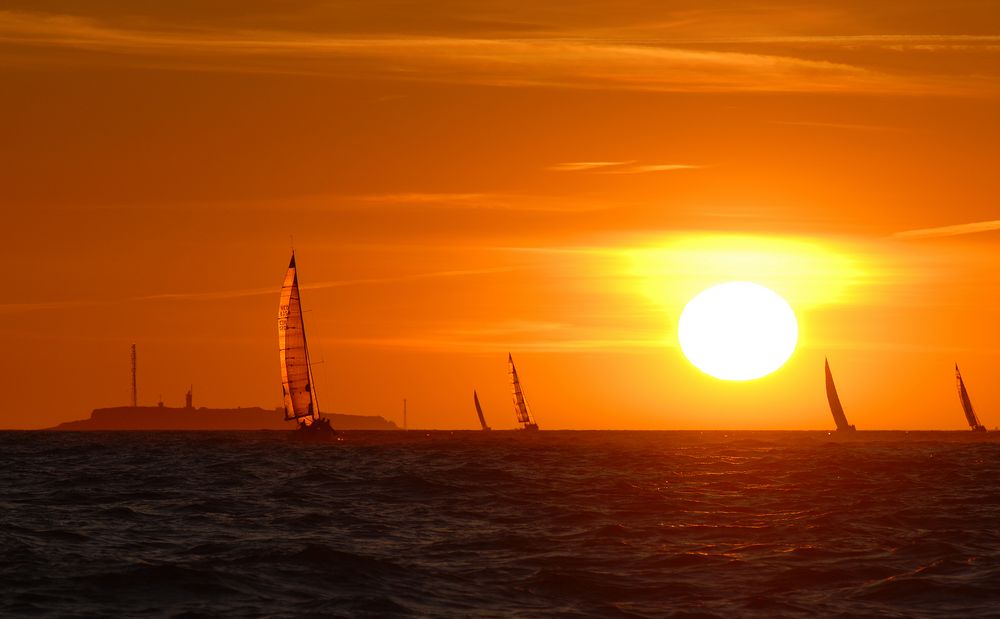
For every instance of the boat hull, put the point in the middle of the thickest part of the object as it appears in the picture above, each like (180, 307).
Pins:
(317, 432)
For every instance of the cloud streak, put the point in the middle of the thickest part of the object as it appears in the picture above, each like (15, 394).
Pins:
(520, 335)
(578, 166)
(224, 295)
(525, 62)
(475, 201)
(620, 167)
(428, 201)
(955, 230)
(653, 167)
(15, 308)
(342, 283)
(832, 125)
(890, 41)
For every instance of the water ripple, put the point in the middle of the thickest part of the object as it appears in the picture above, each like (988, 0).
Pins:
(617, 524)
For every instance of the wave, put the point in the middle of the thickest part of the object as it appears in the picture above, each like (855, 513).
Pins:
(565, 524)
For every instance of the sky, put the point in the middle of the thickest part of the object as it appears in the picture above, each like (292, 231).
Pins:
(462, 180)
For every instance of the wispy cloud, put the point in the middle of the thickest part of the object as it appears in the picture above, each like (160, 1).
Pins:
(833, 125)
(223, 295)
(471, 201)
(15, 308)
(407, 200)
(254, 292)
(577, 166)
(891, 41)
(955, 230)
(538, 62)
(474, 201)
(448, 199)
(652, 167)
(620, 167)
(213, 295)
(519, 335)
(438, 344)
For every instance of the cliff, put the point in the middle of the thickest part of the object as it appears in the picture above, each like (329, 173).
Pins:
(166, 418)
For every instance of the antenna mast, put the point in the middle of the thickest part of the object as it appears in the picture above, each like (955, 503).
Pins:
(134, 399)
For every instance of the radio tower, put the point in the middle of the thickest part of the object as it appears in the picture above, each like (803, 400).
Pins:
(134, 399)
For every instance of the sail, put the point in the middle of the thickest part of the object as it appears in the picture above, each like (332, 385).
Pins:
(963, 395)
(835, 407)
(520, 405)
(296, 374)
(479, 411)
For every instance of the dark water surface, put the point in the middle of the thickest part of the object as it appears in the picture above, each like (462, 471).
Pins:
(631, 524)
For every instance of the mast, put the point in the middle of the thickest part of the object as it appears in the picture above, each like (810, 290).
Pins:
(135, 399)
(835, 407)
(404, 414)
(963, 396)
(298, 386)
(520, 405)
(479, 411)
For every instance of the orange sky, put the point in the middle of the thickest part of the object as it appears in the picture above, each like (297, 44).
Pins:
(553, 179)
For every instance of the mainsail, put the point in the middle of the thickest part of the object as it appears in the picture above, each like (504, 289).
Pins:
(296, 373)
(963, 395)
(479, 411)
(831, 395)
(520, 406)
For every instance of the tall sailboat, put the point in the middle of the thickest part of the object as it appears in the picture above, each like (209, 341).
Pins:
(520, 406)
(479, 411)
(963, 395)
(297, 384)
(835, 408)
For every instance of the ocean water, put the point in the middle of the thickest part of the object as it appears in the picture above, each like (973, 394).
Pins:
(464, 524)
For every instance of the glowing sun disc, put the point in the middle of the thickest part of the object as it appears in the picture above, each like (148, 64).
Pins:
(738, 331)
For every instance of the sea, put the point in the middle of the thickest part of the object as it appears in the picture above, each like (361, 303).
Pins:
(500, 524)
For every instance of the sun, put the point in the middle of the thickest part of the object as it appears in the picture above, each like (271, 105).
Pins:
(738, 331)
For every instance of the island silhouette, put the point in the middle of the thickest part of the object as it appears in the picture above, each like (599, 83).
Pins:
(190, 418)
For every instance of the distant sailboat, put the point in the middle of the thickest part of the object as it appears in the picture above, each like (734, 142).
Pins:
(520, 406)
(297, 385)
(963, 395)
(838, 411)
(479, 411)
